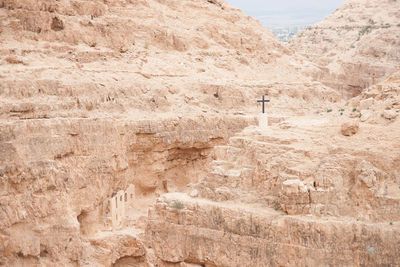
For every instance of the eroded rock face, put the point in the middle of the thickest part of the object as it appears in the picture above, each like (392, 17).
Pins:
(390, 114)
(214, 234)
(379, 104)
(271, 197)
(54, 194)
(350, 128)
(356, 46)
(294, 197)
(135, 60)
(98, 96)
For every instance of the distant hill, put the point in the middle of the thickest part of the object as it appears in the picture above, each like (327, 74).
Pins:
(356, 46)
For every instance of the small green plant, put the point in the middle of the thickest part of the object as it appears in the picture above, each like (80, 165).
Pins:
(360, 115)
(176, 204)
(329, 110)
(365, 30)
(341, 110)
(391, 223)
(341, 113)
(352, 46)
(276, 205)
(354, 109)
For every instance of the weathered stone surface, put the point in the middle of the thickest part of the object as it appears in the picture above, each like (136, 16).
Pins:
(390, 114)
(365, 115)
(305, 183)
(366, 103)
(386, 104)
(109, 247)
(215, 234)
(55, 193)
(294, 197)
(350, 128)
(355, 47)
(98, 96)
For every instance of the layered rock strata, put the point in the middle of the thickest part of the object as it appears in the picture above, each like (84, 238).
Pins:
(97, 96)
(301, 194)
(356, 46)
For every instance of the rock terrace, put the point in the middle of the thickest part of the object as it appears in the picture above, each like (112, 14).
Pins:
(129, 136)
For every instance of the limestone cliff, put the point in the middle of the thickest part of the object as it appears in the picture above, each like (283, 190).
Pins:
(379, 104)
(356, 46)
(133, 58)
(127, 138)
(97, 96)
(300, 194)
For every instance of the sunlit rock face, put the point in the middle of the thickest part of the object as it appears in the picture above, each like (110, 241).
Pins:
(128, 138)
(100, 96)
(355, 47)
(301, 194)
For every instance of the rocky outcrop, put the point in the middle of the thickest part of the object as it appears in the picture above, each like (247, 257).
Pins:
(100, 97)
(134, 59)
(207, 233)
(379, 104)
(356, 46)
(278, 198)
(54, 194)
(350, 128)
(96, 96)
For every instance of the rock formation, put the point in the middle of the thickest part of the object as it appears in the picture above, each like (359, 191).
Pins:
(379, 104)
(300, 195)
(356, 46)
(151, 106)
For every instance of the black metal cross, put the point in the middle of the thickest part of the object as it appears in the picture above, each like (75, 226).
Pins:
(263, 101)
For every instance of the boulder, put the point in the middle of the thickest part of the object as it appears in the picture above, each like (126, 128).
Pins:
(390, 114)
(365, 115)
(350, 128)
(194, 193)
(366, 103)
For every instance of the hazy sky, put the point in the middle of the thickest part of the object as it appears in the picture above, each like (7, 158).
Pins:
(286, 13)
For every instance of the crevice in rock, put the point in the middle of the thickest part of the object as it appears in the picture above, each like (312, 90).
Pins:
(57, 24)
(82, 219)
(127, 261)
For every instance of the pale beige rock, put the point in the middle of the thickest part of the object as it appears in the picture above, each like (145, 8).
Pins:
(194, 193)
(293, 187)
(217, 232)
(121, 102)
(365, 115)
(294, 198)
(386, 101)
(355, 47)
(354, 114)
(366, 103)
(96, 96)
(390, 114)
(111, 248)
(367, 173)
